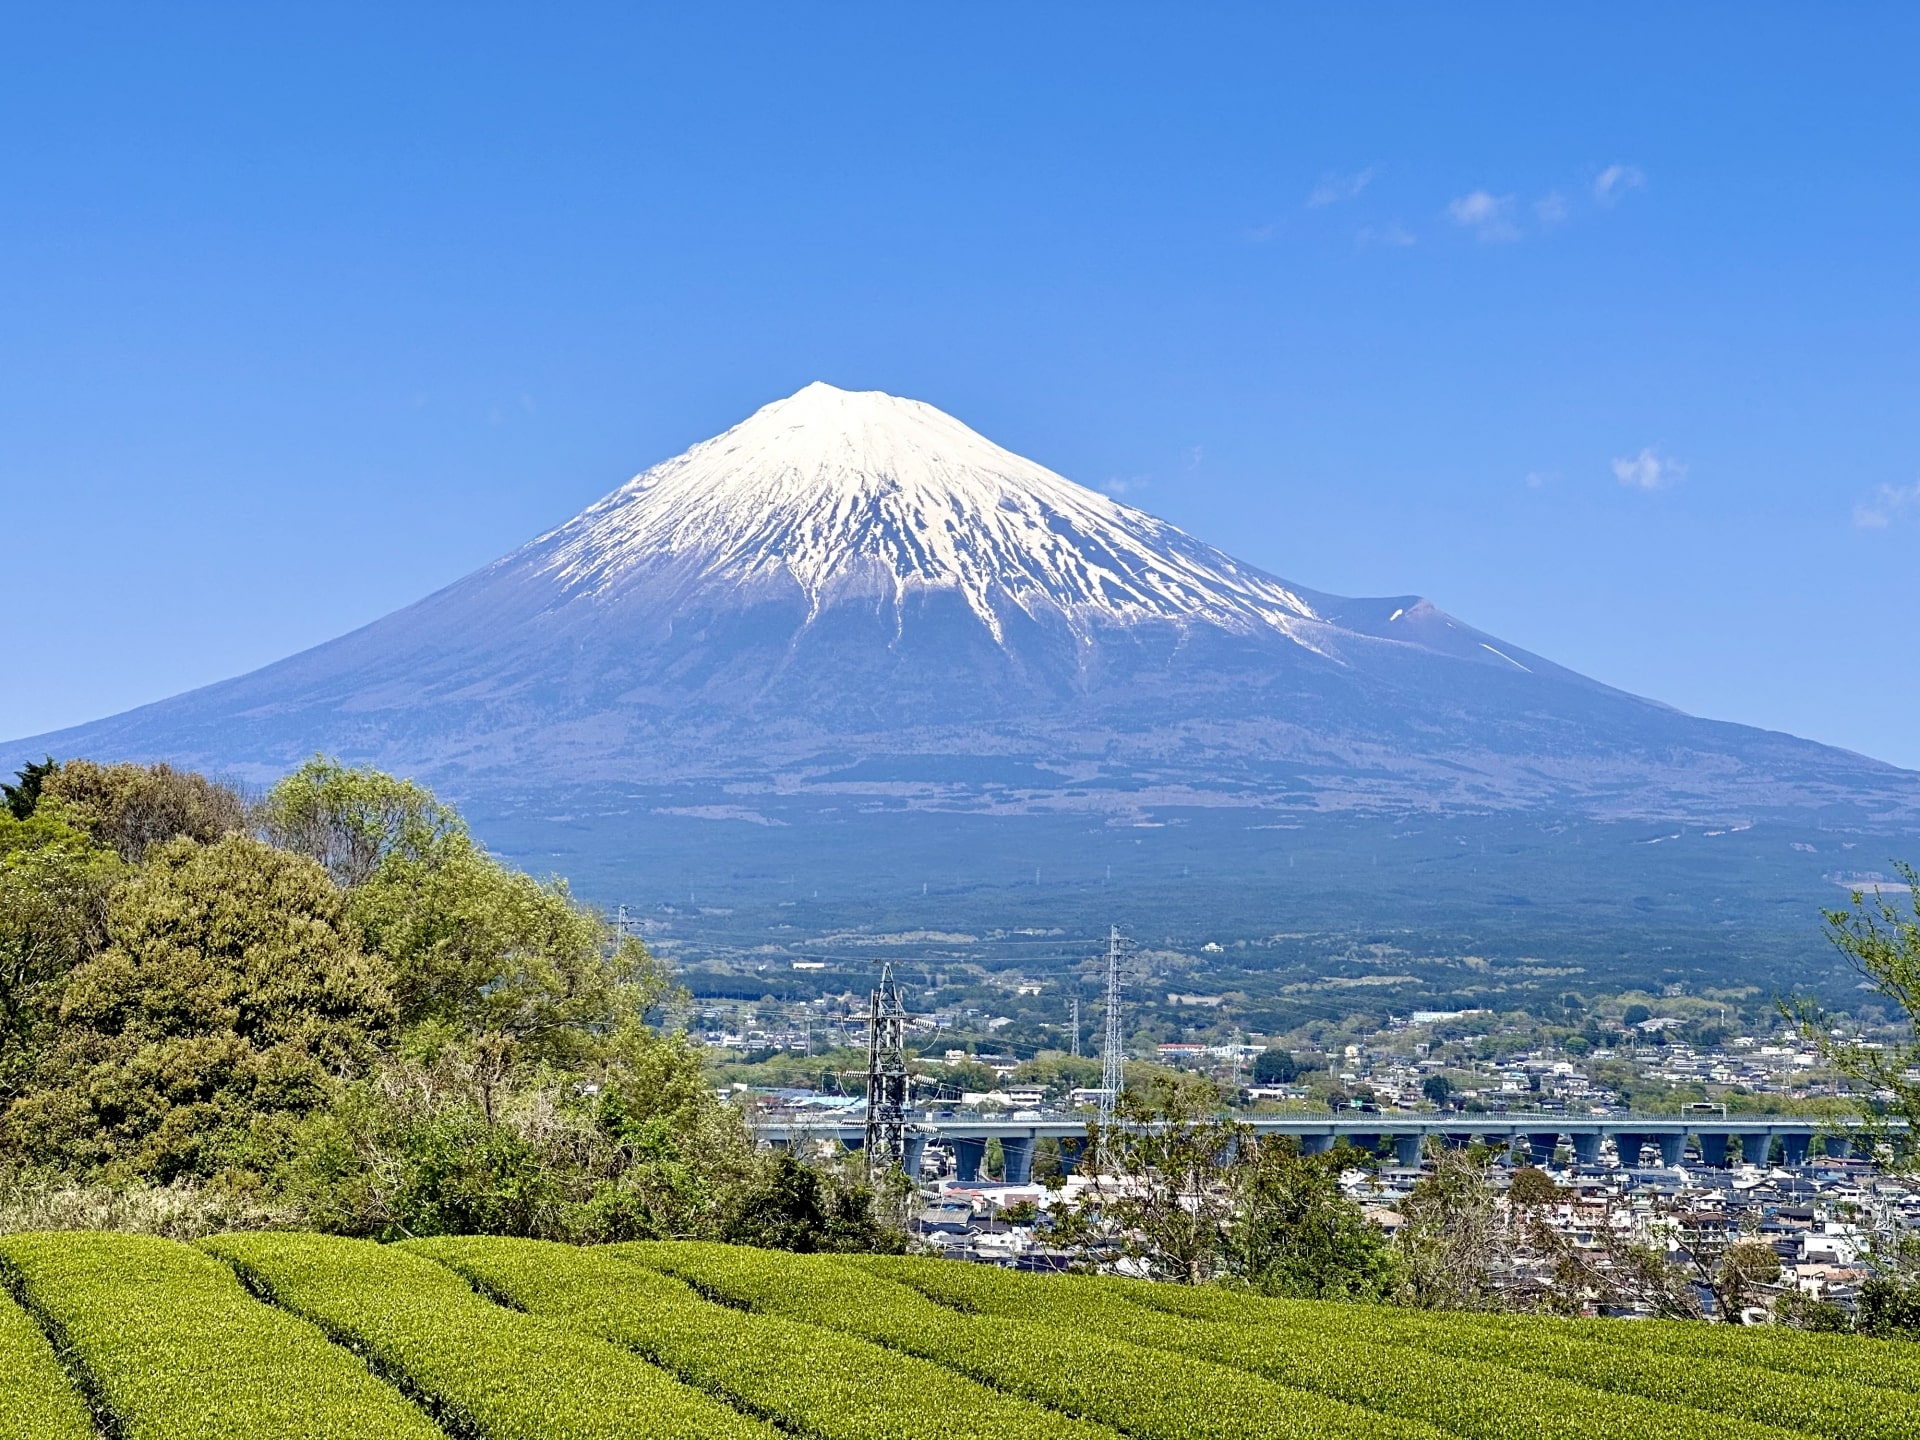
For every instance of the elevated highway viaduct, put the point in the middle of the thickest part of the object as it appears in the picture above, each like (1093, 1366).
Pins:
(1535, 1137)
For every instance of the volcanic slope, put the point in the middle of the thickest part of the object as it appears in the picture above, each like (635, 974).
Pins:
(854, 594)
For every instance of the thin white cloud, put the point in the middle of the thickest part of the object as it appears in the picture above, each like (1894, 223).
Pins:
(1649, 470)
(1536, 479)
(1552, 209)
(1122, 485)
(1887, 504)
(1332, 189)
(1489, 216)
(1615, 181)
(1392, 234)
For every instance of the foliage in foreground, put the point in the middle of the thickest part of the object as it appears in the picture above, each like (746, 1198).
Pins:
(478, 1367)
(807, 1380)
(239, 1371)
(1102, 1377)
(500, 1339)
(1360, 1357)
(333, 1008)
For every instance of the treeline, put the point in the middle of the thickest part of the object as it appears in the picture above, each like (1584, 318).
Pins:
(331, 1007)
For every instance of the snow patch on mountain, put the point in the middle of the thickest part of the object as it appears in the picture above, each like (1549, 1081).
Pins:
(842, 493)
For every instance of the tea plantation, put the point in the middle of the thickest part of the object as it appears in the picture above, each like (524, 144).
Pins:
(282, 1335)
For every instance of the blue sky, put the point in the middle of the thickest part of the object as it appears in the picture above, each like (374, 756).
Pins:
(1602, 329)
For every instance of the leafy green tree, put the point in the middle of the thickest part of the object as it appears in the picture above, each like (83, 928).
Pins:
(21, 797)
(963, 1077)
(1436, 1088)
(1275, 1067)
(1452, 1237)
(1163, 1193)
(1881, 942)
(54, 886)
(477, 950)
(1531, 1186)
(1295, 1233)
(353, 820)
(787, 1205)
(230, 999)
(130, 809)
(480, 949)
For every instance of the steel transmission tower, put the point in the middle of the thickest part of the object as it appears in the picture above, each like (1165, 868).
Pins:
(1112, 1077)
(886, 1077)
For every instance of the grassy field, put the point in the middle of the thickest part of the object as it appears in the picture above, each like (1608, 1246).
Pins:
(305, 1336)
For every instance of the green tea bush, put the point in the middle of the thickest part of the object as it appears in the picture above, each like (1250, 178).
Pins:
(174, 1349)
(806, 1380)
(480, 1368)
(1348, 1360)
(1812, 1404)
(1854, 1360)
(1145, 1393)
(1811, 1383)
(36, 1402)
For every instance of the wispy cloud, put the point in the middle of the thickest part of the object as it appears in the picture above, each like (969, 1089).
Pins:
(1552, 210)
(1887, 504)
(1536, 479)
(1258, 234)
(1489, 216)
(1332, 189)
(1122, 485)
(1615, 181)
(1392, 234)
(1649, 470)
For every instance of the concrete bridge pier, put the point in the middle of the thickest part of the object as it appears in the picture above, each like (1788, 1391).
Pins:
(916, 1151)
(1586, 1148)
(1368, 1143)
(1406, 1149)
(968, 1156)
(1672, 1150)
(1713, 1150)
(1017, 1152)
(1627, 1144)
(1755, 1149)
(1793, 1148)
(1838, 1147)
(1315, 1144)
(1072, 1152)
(1541, 1147)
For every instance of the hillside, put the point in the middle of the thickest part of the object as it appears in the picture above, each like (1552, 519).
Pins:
(282, 1335)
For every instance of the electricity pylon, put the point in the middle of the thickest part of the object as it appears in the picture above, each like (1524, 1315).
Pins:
(1112, 1075)
(886, 1145)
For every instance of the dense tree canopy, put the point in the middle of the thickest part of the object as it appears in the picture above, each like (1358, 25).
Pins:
(131, 808)
(336, 1006)
(229, 994)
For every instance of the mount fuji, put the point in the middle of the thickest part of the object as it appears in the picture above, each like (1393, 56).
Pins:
(846, 575)
(851, 609)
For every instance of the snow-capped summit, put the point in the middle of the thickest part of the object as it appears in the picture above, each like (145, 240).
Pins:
(837, 494)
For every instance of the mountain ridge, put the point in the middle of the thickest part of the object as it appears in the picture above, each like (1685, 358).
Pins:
(849, 574)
